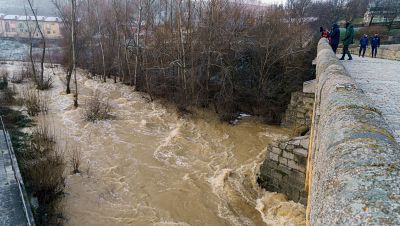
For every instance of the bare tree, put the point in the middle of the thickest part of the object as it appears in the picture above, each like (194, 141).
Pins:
(73, 37)
(41, 77)
(230, 55)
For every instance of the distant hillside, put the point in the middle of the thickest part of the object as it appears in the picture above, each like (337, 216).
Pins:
(45, 7)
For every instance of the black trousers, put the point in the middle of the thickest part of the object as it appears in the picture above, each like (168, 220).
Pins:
(346, 51)
(334, 48)
(362, 49)
(374, 51)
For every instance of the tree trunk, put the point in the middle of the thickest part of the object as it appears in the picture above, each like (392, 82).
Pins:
(73, 35)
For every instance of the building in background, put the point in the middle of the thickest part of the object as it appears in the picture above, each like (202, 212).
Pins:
(382, 12)
(16, 26)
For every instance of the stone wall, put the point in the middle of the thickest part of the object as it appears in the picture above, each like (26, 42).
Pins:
(390, 52)
(353, 165)
(299, 112)
(284, 168)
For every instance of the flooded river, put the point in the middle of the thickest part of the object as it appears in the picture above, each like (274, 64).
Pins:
(148, 166)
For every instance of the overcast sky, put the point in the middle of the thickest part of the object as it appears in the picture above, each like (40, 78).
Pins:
(17, 7)
(46, 8)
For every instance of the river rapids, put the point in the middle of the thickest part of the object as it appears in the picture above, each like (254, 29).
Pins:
(149, 166)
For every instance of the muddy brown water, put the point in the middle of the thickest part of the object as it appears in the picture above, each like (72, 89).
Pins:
(148, 166)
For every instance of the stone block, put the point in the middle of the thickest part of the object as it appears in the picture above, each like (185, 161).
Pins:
(276, 150)
(295, 194)
(284, 169)
(270, 164)
(301, 168)
(283, 161)
(274, 156)
(301, 160)
(290, 147)
(301, 110)
(276, 175)
(294, 142)
(304, 143)
(288, 155)
(282, 145)
(301, 151)
(308, 100)
(292, 164)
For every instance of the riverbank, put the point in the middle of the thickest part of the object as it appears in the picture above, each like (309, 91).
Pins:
(18, 50)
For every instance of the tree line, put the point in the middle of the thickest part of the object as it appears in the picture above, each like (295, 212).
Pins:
(232, 56)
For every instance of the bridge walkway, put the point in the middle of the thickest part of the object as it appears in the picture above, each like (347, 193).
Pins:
(380, 80)
(13, 208)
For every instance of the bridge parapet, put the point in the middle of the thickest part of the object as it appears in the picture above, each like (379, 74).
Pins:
(353, 167)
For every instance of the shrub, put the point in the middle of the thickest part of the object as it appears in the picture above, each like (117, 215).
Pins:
(46, 84)
(7, 96)
(75, 161)
(17, 78)
(46, 176)
(42, 140)
(27, 72)
(4, 79)
(35, 102)
(20, 77)
(43, 166)
(96, 109)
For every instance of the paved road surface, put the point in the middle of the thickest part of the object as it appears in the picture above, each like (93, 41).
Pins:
(11, 207)
(380, 80)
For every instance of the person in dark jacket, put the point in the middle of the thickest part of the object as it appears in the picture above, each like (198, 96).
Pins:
(363, 45)
(348, 40)
(335, 37)
(375, 43)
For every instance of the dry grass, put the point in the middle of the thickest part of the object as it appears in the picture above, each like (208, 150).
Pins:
(43, 165)
(46, 84)
(3, 79)
(75, 160)
(28, 72)
(7, 96)
(42, 140)
(20, 77)
(6, 93)
(35, 101)
(96, 109)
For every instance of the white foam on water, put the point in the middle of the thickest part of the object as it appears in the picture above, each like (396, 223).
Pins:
(275, 209)
(143, 161)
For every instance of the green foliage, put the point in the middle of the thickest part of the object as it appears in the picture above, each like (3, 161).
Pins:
(394, 32)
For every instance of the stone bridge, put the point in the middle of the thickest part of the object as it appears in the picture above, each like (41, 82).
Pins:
(351, 167)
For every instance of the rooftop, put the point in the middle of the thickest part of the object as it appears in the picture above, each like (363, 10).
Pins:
(24, 18)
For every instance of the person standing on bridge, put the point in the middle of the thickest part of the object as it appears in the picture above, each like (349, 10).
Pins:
(363, 45)
(335, 37)
(375, 43)
(348, 40)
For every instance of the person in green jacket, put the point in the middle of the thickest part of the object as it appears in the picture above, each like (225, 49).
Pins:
(348, 39)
